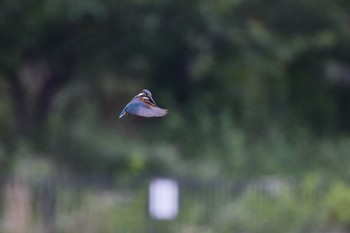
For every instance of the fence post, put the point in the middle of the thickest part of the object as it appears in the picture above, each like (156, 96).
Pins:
(17, 206)
(49, 206)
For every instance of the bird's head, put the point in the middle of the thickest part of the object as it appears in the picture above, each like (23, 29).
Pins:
(146, 94)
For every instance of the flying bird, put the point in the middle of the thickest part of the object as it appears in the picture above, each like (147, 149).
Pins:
(143, 105)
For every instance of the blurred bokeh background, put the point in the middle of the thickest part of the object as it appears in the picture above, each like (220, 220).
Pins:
(258, 130)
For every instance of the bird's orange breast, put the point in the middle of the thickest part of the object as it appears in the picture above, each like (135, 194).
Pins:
(146, 100)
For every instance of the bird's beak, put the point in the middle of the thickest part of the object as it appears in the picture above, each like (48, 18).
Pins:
(152, 100)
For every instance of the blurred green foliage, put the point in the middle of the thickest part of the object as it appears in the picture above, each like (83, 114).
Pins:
(337, 199)
(252, 87)
(105, 211)
(314, 203)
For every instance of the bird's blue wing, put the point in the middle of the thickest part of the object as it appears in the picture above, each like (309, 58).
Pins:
(151, 111)
(131, 107)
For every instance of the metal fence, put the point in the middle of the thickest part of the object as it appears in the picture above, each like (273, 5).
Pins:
(106, 204)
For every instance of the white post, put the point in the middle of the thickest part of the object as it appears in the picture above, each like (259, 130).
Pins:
(163, 199)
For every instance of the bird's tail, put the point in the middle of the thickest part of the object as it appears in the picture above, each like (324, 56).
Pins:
(123, 113)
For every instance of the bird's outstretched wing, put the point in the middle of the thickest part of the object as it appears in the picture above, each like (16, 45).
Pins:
(151, 111)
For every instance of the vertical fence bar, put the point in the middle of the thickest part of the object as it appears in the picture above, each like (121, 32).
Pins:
(17, 207)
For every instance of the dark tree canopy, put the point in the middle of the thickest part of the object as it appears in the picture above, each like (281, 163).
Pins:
(234, 74)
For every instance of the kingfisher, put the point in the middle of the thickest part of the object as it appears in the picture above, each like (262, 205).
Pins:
(143, 105)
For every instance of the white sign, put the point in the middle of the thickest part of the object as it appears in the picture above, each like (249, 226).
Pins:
(163, 199)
